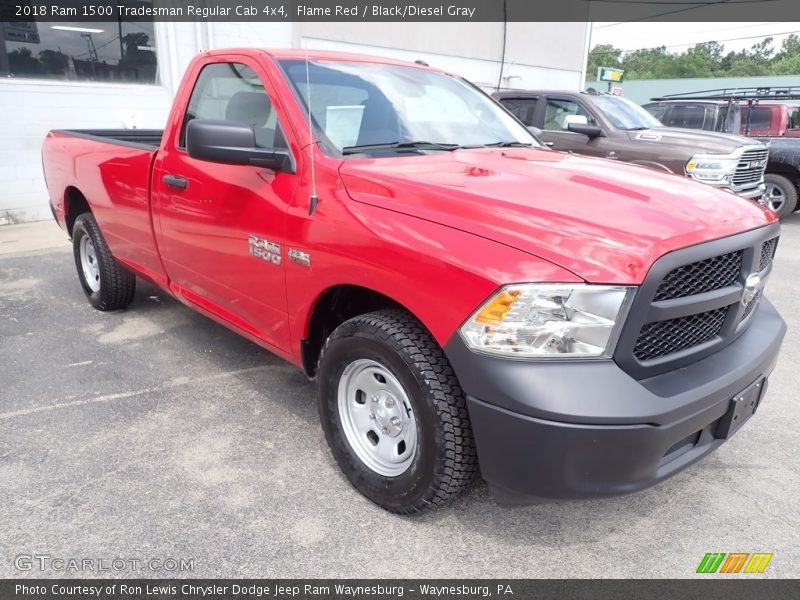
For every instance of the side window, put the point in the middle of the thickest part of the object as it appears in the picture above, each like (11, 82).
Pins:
(794, 118)
(233, 92)
(657, 110)
(557, 110)
(522, 108)
(761, 118)
(688, 116)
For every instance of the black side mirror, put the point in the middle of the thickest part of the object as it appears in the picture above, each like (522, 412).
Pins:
(233, 143)
(592, 131)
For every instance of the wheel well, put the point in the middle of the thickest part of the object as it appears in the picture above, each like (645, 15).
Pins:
(787, 171)
(334, 307)
(75, 204)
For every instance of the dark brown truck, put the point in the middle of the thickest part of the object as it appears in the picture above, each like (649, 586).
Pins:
(610, 126)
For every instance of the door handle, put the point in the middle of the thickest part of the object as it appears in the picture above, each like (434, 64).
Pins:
(175, 181)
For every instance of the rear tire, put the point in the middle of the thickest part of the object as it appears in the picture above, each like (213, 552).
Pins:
(781, 194)
(394, 414)
(107, 284)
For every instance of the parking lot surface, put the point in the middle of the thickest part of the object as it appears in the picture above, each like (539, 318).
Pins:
(154, 433)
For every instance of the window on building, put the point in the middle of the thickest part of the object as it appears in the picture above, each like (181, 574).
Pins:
(233, 92)
(118, 51)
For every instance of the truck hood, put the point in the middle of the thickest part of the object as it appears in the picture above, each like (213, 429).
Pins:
(604, 221)
(692, 140)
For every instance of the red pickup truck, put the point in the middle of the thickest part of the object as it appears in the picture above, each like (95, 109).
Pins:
(462, 295)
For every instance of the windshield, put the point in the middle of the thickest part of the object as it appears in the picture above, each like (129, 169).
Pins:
(624, 114)
(366, 107)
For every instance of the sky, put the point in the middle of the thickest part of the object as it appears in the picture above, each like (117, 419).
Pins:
(680, 36)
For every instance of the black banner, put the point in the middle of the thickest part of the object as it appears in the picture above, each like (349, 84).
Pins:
(389, 589)
(397, 10)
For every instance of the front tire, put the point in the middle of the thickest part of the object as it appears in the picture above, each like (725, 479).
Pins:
(780, 195)
(107, 284)
(394, 414)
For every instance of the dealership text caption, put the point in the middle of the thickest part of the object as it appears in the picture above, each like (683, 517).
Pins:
(356, 11)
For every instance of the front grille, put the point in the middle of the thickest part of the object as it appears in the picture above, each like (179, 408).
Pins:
(767, 253)
(690, 304)
(751, 166)
(702, 276)
(667, 337)
(749, 308)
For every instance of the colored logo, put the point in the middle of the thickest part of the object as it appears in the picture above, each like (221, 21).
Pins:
(611, 75)
(734, 562)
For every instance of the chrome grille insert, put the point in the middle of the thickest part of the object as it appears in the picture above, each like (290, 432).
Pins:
(751, 166)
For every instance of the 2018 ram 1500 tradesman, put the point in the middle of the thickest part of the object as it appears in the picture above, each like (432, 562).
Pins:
(463, 296)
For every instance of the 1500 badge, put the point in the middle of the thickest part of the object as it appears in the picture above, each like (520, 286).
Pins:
(269, 251)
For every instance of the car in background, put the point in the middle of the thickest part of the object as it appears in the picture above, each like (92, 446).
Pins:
(772, 119)
(771, 115)
(610, 126)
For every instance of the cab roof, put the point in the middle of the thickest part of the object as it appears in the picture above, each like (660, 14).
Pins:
(331, 55)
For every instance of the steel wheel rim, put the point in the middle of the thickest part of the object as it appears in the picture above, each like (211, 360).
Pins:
(91, 270)
(377, 418)
(775, 197)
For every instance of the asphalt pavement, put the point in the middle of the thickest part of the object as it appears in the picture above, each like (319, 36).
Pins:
(156, 434)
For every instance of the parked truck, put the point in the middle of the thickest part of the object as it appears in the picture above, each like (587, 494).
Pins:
(464, 297)
(768, 114)
(609, 126)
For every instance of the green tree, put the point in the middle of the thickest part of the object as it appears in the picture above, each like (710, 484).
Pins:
(23, 62)
(603, 55)
(702, 60)
(53, 61)
(787, 60)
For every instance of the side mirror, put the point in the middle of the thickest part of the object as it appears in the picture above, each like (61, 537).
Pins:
(591, 131)
(574, 120)
(232, 143)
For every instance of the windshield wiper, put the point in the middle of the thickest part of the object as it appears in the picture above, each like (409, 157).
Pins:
(400, 146)
(509, 144)
(639, 128)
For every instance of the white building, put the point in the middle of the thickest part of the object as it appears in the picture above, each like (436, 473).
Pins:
(115, 75)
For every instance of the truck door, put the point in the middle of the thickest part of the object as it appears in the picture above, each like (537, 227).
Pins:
(558, 112)
(220, 228)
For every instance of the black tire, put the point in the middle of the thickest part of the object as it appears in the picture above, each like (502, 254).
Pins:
(445, 461)
(117, 285)
(785, 188)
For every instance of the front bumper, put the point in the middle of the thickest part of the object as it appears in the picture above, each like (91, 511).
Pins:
(750, 193)
(582, 429)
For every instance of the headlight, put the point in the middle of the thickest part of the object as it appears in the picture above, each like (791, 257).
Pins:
(549, 321)
(711, 167)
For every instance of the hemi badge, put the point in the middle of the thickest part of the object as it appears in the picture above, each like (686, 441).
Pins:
(300, 257)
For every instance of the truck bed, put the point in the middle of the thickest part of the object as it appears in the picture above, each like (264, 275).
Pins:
(111, 169)
(146, 139)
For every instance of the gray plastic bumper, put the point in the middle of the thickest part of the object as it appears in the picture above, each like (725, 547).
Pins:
(579, 429)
